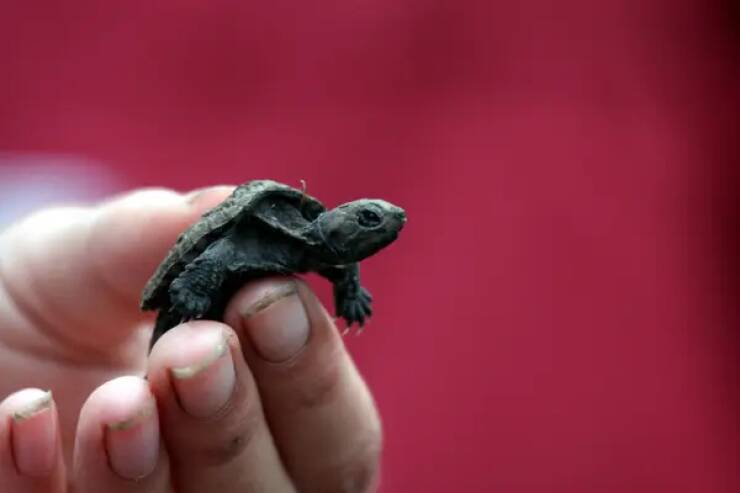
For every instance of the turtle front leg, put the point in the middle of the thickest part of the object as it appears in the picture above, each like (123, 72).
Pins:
(193, 291)
(351, 301)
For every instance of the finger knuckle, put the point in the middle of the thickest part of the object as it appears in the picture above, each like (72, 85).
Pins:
(358, 472)
(228, 443)
(320, 386)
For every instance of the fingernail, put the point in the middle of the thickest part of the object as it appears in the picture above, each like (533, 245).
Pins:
(195, 195)
(205, 386)
(276, 321)
(35, 436)
(133, 443)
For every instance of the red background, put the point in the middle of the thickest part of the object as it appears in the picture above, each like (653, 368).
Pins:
(560, 313)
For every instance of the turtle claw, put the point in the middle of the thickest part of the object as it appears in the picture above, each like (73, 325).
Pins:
(365, 294)
(356, 309)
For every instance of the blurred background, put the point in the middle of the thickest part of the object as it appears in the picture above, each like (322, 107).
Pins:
(561, 312)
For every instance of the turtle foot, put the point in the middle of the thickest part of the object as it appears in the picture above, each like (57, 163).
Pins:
(357, 309)
(187, 303)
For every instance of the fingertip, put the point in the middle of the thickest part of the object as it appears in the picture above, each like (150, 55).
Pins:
(208, 197)
(316, 311)
(272, 314)
(118, 433)
(148, 197)
(189, 342)
(30, 443)
(24, 403)
(118, 400)
(34, 431)
(194, 360)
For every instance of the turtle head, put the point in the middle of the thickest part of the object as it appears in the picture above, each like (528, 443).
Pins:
(356, 230)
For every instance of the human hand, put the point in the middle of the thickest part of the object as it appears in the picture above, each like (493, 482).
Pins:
(268, 401)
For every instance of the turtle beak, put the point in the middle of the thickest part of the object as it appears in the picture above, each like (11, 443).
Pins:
(398, 216)
(399, 220)
(393, 214)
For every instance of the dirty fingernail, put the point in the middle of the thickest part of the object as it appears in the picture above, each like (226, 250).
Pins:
(276, 321)
(34, 439)
(205, 386)
(133, 443)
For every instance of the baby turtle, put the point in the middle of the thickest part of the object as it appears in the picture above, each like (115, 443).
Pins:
(265, 228)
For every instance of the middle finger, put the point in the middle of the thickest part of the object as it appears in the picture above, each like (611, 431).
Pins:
(211, 415)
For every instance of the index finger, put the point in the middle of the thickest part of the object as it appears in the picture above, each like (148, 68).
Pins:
(131, 235)
(83, 268)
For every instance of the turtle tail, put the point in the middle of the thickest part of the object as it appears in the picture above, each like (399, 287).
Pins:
(166, 319)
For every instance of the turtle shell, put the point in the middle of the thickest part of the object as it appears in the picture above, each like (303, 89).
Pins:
(247, 199)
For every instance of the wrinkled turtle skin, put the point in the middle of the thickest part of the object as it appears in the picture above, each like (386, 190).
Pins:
(264, 228)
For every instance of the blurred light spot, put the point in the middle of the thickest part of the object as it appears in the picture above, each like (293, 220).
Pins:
(31, 181)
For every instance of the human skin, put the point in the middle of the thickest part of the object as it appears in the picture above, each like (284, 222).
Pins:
(267, 401)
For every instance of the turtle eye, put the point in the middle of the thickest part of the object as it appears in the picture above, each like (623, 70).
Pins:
(368, 218)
